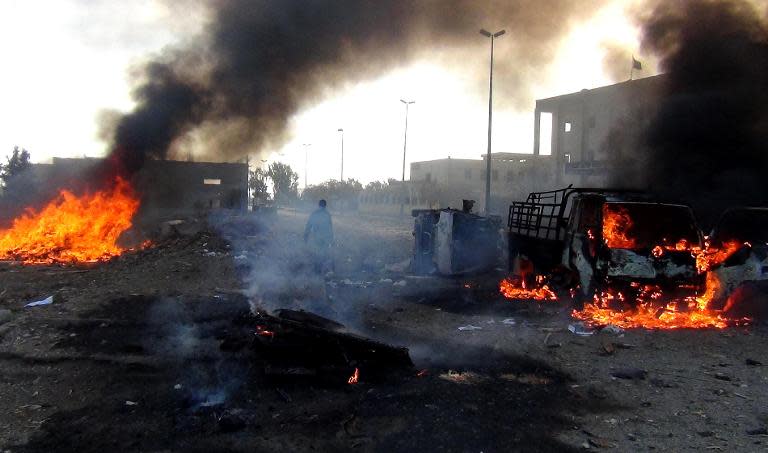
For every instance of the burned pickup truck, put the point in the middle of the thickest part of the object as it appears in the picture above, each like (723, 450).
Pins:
(596, 237)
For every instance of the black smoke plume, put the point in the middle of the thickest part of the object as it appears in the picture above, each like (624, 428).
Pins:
(258, 63)
(708, 143)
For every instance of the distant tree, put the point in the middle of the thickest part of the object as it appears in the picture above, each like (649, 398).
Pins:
(285, 182)
(340, 194)
(17, 163)
(257, 182)
(376, 185)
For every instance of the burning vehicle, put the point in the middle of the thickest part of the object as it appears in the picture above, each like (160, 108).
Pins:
(737, 253)
(601, 238)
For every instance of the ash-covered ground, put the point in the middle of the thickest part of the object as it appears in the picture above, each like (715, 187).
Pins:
(149, 352)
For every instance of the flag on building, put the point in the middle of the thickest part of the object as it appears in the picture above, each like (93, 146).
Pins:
(636, 64)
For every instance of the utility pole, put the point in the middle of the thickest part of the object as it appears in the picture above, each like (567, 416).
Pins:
(493, 36)
(306, 162)
(405, 144)
(342, 153)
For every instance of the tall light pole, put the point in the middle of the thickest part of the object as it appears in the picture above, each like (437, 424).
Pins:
(493, 36)
(342, 153)
(405, 134)
(306, 161)
(405, 144)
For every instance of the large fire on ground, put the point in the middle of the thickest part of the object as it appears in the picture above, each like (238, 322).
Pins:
(71, 228)
(642, 305)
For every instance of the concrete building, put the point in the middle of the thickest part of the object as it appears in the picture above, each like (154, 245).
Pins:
(590, 131)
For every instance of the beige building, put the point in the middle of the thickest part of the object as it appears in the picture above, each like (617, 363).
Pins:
(591, 131)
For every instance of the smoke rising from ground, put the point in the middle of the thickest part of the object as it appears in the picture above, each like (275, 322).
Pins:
(708, 140)
(233, 90)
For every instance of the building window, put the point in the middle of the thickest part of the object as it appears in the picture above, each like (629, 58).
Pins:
(468, 173)
(592, 122)
(428, 177)
(567, 157)
(495, 175)
(567, 126)
(510, 175)
(212, 182)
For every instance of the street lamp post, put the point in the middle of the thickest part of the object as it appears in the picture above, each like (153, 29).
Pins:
(405, 144)
(493, 36)
(405, 134)
(306, 162)
(342, 153)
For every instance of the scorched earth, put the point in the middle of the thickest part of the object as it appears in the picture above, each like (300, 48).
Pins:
(153, 351)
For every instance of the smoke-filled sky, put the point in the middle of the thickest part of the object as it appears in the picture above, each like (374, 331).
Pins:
(75, 68)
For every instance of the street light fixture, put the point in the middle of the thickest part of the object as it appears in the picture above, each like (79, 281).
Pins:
(493, 36)
(405, 134)
(342, 153)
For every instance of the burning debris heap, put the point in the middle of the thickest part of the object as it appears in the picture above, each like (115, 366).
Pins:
(72, 228)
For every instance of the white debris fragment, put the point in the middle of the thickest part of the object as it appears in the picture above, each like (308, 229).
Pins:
(401, 283)
(241, 257)
(47, 301)
(509, 322)
(177, 387)
(131, 403)
(386, 280)
(470, 327)
(580, 329)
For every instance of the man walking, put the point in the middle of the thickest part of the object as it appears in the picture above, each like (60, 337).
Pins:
(318, 235)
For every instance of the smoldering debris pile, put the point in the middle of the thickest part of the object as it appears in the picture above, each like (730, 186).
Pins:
(300, 346)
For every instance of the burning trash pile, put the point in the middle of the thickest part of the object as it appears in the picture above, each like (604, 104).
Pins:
(72, 228)
(643, 265)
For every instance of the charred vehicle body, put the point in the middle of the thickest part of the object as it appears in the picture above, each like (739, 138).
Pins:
(596, 237)
(741, 237)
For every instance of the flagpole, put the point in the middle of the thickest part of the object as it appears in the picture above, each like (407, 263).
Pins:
(632, 67)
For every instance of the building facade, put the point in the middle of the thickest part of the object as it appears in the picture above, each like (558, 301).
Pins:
(590, 132)
(166, 188)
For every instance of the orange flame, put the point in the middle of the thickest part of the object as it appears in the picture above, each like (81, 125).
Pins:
(616, 226)
(517, 288)
(354, 379)
(712, 256)
(648, 312)
(71, 228)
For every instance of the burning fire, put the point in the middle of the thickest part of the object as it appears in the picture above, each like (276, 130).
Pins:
(649, 310)
(71, 228)
(264, 332)
(354, 379)
(616, 226)
(712, 256)
(517, 288)
(644, 305)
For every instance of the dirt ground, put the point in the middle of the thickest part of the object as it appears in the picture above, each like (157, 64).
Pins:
(131, 356)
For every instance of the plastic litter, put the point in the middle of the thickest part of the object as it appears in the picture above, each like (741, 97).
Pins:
(47, 301)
